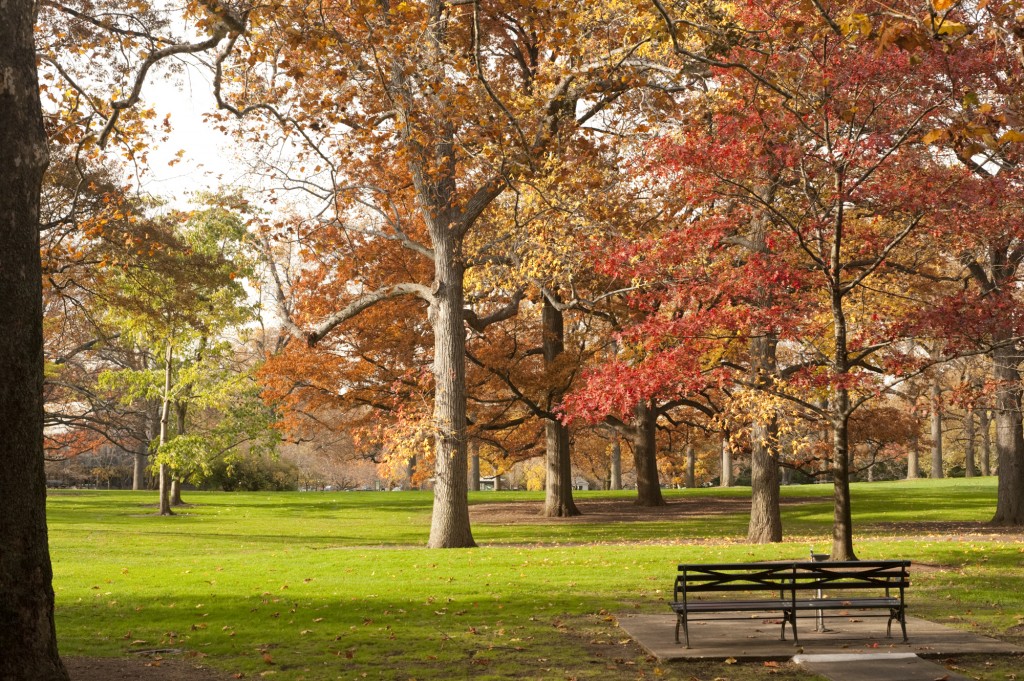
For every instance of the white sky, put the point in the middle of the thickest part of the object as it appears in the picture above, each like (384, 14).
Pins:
(209, 162)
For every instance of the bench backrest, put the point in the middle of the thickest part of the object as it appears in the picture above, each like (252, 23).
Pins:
(791, 576)
(854, 574)
(733, 577)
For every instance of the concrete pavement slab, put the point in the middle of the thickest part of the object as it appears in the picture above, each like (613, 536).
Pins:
(876, 667)
(757, 638)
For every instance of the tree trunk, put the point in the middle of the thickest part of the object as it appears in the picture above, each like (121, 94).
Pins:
(165, 409)
(842, 516)
(645, 457)
(139, 467)
(986, 441)
(691, 463)
(558, 502)
(181, 411)
(969, 447)
(725, 475)
(474, 466)
(936, 471)
(765, 517)
(913, 466)
(449, 523)
(1009, 438)
(615, 475)
(28, 640)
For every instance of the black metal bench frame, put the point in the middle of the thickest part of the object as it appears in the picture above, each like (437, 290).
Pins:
(796, 586)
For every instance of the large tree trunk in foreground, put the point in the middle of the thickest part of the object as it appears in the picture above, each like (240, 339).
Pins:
(645, 457)
(936, 429)
(1009, 438)
(558, 502)
(691, 464)
(765, 517)
(28, 640)
(449, 523)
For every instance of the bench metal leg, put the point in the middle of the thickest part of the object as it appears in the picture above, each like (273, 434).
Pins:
(686, 630)
(900, 616)
(789, 616)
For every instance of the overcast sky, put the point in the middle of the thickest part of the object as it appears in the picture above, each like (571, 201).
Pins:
(209, 161)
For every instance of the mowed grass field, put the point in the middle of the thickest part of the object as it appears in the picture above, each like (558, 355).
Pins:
(311, 586)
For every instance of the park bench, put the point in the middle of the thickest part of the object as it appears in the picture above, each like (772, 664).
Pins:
(830, 589)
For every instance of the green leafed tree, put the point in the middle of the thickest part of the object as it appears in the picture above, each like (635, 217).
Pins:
(182, 301)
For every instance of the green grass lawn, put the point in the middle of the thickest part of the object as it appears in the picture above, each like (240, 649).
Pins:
(337, 585)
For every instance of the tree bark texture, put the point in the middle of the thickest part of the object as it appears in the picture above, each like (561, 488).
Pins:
(842, 516)
(139, 467)
(913, 465)
(725, 475)
(691, 463)
(765, 517)
(558, 502)
(28, 640)
(1009, 438)
(970, 470)
(986, 441)
(615, 474)
(474, 466)
(645, 457)
(449, 523)
(180, 413)
(936, 471)
(165, 413)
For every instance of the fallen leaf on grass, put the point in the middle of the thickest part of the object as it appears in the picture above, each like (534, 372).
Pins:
(267, 658)
(771, 663)
(730, 660)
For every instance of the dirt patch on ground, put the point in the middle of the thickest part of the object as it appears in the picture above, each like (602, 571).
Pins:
(951, 530)
(150, 668)
(612, 510)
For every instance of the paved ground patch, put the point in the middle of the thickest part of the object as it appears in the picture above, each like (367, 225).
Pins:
(757, 638)
(876, 667)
